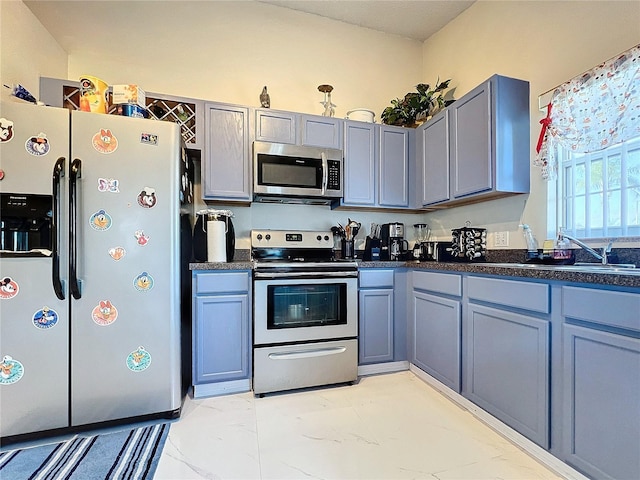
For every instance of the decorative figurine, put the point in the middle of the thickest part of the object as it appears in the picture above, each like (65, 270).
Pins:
(265, 100)
(329, 108)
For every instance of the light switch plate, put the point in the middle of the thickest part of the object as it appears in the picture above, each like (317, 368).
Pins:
(501, 239)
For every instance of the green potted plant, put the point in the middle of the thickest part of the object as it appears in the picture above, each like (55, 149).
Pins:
(416, 106)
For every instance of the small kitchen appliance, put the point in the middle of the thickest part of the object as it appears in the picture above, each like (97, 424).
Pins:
(214, 238)
(393, 244)
(305, 311)
(422, 234)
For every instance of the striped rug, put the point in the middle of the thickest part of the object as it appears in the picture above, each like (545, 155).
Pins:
(130, 455)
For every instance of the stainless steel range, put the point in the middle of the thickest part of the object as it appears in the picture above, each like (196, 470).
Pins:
(305, 312)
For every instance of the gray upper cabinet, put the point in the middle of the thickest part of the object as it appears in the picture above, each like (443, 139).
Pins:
(377, 165)
(433, 151)
(359, 164)
(487, 156)
(319, 131)
(226, 167)
(393, 185)
(276, 126)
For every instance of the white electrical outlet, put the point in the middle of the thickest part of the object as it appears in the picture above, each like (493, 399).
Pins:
(501, 239)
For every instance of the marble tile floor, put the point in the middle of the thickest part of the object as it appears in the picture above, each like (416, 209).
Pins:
(392, 426)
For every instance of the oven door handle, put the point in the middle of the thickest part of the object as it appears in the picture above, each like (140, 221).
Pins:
(316, 352)
(274, 275)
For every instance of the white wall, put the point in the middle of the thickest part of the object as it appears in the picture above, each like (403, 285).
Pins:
(27, 49)
(546, 43)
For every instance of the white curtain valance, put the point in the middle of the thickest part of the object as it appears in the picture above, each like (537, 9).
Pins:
(593, 111)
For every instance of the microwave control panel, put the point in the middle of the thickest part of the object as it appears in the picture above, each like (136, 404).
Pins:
(333, 182)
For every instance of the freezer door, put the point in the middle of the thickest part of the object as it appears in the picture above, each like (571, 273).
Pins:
(126, 321)
(34, 322)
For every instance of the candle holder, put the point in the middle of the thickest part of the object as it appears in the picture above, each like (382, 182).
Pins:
(329, 108)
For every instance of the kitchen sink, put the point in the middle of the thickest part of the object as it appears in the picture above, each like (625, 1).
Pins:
(619, 268)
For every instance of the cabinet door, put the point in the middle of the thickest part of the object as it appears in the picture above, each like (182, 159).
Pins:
(359, 163)
(376, 325)
(507, 369)
(221, 347)
(394, 167)
(275, 126)
(601, 431)
(320, 131)
(436, 338)
(471, 145)
(226, 168)
(434, 158)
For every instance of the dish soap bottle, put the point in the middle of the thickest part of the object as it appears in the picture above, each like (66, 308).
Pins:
(532, 243)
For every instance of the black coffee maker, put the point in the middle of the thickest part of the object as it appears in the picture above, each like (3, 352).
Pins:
(393, 244)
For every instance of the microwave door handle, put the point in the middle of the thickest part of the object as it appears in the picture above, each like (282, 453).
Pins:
(325, 172)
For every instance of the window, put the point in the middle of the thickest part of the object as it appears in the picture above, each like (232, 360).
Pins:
(598, 193)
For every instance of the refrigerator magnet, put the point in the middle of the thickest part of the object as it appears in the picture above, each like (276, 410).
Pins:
(143, 282)
(117, 253)
(110, 185)
(6, 130)
(100, 221)
(104, 313)
(138, 360)
(104, 141)
(10, 370)
(149, 138)
(8, 288)
(37, 145)
(45, 318)
(147, 197)
(141, 238)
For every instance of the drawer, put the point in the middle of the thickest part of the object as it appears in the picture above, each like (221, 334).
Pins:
(617, 309)
(376, 278)
(220, 282)
(446, 283)
(511, 293)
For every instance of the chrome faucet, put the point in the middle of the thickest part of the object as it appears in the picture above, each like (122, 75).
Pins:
(603, 256)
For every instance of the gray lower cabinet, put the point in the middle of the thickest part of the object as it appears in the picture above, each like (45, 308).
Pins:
(376, 314)
(507, 353)
(601, 378)
(435, 326)
(221, 329)
(226, 165)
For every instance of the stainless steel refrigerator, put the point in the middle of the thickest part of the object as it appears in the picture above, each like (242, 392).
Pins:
(89, 268)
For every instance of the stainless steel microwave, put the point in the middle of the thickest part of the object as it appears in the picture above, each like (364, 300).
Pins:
(296, 174)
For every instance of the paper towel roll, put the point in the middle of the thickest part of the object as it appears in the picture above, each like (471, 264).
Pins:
(216, 241)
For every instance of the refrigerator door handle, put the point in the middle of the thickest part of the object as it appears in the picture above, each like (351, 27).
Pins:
(58, 173)
(75, 173)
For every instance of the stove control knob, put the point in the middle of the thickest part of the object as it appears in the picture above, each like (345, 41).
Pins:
(319, 238)
(268, 237)
(259, 236)
(326, 238)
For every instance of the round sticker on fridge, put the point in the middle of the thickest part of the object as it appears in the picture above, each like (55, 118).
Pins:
(6, 130)
(138, 360)
(8, 288)
(104, 313)
(45, 318)
(147, 197)
(143, 282)
(100, 220)
(10, 370)
(104, 141)
(141, 238)
(37, 145)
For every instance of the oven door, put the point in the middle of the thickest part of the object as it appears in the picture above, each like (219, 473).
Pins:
(304, 309)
